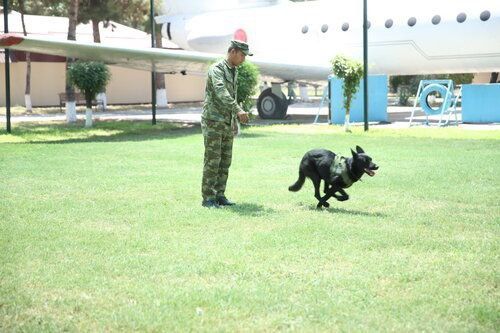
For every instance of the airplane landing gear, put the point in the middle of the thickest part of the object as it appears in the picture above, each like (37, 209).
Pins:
(272, 104)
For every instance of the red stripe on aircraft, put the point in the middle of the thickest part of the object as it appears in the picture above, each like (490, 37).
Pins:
(240, 35)
(7, 40)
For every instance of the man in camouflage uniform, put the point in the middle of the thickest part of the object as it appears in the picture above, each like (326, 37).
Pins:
(219, 120)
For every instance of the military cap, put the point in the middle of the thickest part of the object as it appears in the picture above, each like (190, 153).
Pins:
(242, 46)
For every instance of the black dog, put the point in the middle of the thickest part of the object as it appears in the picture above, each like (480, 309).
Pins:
(336, 171)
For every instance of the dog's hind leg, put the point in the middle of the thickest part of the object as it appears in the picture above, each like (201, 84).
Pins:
(325, 190)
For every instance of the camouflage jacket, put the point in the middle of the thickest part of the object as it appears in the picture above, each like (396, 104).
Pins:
(221, 93)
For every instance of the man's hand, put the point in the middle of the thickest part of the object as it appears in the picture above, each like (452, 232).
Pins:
(243, 117)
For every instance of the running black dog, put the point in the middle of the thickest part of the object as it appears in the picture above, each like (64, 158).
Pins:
(336, 171)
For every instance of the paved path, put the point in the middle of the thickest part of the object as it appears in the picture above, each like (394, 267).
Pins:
(300, 113)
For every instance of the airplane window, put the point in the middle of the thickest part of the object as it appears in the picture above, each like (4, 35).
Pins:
(461, 17)
(305, 29)
(485, 16)
(436, 19)
(324, 28)
(345, 26)
(412, 21)
(389, 23)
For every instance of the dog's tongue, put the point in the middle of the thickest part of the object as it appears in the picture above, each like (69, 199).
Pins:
(370, 173)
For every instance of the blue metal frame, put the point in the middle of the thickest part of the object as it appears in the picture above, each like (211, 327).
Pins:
(449, 106)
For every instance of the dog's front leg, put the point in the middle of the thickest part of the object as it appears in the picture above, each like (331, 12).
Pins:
(323, 200)
(343, 195)
(329, 193)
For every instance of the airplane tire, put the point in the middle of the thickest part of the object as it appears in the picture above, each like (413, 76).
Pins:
(271, 106)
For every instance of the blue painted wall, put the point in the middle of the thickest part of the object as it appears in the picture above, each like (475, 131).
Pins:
(481, 103)
(377, 100)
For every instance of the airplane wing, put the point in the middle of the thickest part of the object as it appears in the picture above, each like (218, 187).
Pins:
(152, 59)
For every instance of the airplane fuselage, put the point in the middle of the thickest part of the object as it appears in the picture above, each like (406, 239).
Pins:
(405, 37)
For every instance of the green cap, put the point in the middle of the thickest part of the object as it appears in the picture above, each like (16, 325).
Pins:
(242, 46)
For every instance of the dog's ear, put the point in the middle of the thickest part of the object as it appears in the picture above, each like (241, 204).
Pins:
(353, 153)
(359, 150)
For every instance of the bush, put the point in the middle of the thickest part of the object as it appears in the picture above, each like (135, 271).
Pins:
(248, 79)
(351, 72)
(90, 77)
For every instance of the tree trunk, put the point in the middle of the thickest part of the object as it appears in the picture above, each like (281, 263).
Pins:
(88, 110)
(27, 90)
(95, 30)
(347, 111)
(161, 92)
(97, 39)
(70, 91)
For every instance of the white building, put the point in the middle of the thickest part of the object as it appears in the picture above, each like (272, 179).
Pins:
(127, 86)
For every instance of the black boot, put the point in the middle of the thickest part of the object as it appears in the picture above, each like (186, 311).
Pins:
(210, 203)
(224, 202)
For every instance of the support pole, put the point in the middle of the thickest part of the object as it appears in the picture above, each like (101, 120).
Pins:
(365, 63)
(7, 64)
(153, 74)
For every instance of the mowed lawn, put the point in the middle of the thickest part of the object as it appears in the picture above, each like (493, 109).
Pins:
(103, 230)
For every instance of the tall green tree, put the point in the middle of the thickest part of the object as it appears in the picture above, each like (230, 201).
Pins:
(97, 11)
(161, 91)
(20, 5)
(46, 7)
(70, 91)
(134, 13)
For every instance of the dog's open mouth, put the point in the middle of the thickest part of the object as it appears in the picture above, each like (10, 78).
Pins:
(370, 173)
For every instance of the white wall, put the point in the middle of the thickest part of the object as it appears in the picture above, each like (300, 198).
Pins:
(127, 86)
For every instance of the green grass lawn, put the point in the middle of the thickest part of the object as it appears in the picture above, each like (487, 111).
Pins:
(103, 230)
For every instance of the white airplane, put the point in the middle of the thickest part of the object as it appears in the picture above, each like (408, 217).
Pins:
(296, 41)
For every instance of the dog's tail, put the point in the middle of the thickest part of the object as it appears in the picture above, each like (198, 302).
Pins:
(298, 184)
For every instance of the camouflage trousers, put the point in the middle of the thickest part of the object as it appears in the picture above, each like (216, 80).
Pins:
(218, 139)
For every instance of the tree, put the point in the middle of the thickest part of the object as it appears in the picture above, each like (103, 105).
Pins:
(96, 11)
(248, 79)
(20, 6)
(90, 77)
(134, 13)
(70, 92)
(351, 72)
(161, 92)
(36, 7)
(46, 7)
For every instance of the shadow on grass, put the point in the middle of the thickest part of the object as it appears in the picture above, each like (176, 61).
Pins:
(106, 131)
(102, 131)
(250, 209)
(247, 135)
(336, 210)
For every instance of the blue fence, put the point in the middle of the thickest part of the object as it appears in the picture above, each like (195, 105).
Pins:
(481, 103)
(377, 100)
